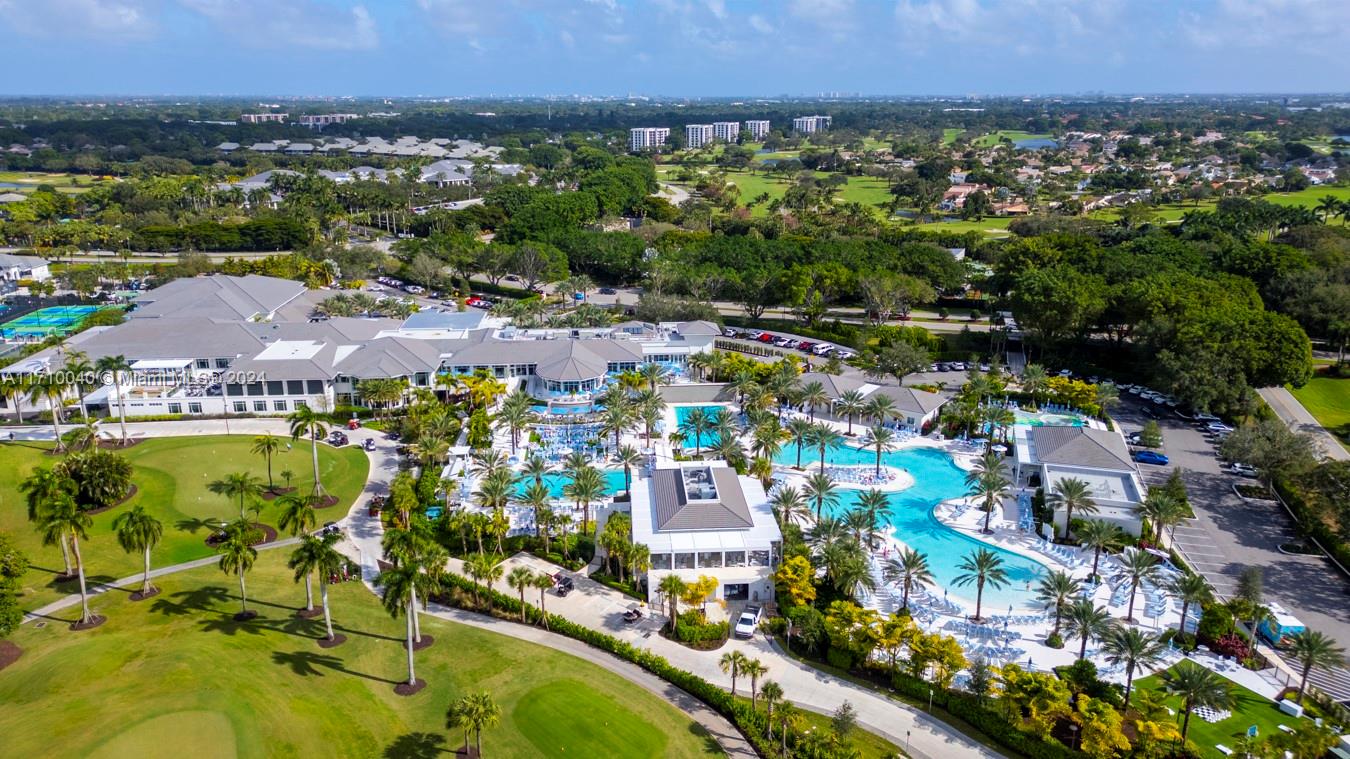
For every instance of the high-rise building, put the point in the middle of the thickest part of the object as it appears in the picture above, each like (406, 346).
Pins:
(642, 138)
(758, 129)
(263, 118)
(698, 135)
(727, 131)
(809, 124)
(319, 121)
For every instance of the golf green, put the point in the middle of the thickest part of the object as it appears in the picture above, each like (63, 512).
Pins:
(171, 475)
(178, 676)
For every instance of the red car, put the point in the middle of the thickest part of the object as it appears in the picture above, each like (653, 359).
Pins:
(766, 338)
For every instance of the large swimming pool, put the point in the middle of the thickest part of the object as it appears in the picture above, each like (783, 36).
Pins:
(936, 479)
(556, 481)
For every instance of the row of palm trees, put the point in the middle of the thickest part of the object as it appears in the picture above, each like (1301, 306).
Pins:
(77, 375)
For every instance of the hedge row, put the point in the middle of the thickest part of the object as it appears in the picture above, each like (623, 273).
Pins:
(749, 721)
(1311, 524)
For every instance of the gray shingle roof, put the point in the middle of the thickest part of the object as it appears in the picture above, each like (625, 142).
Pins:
(672, 511)
(218, 296)
(1081, 446)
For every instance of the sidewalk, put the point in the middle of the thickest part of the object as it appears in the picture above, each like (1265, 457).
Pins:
(1287, 407)
(601, 608)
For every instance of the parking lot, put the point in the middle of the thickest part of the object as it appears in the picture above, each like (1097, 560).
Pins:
(1230, 533)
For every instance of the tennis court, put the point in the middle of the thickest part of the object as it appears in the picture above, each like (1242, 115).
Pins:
(52, 320)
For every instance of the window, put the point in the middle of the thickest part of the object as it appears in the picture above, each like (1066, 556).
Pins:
(175, 408)
(234, 388)
(735, 558)
(301, 404)
(274, 387)
(278, 405)
(240, 407)
(315, 387)
(260, 405)
(194, 408)
(684, 561)
(295, 387)
(759, 558)
(709, 559)
(222, 363)
(660, 561)
(254, 388)
(203, 363)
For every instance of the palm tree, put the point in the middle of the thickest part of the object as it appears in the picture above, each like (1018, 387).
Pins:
(521, 578)
(63, 520)
(849, 405)
(989, 482)
(52, 388)
(672, 587)
(241, 485)
(308, 421)
(617, 418)
(267, 446)
(799, 430)
(474, 712)
(400, 597)
(812, 396)
(1140, 567)
(879, 408)
(1071, 493)
(543, 583)
(314, 554)
(788, 505)
(1197, 686)
(1191, 589)
(1055, 590)
(138, 530)
(325, 561)
(732, 663)
(908, 568)
(821, 490)
(655, 375)
(1034, 381)
(586, 487)
(772, 694)
(753, 669)
(1085, 622)
(628, 457)
(1313, 649)
(1134, 649)
(1161, 509)
(1100, 535)
(981, 567)
(484, 570)
(116, 367)
(881, 439)
(696, 424)
(822, 438)
(514, 415)
(534, 468)
(236, 558)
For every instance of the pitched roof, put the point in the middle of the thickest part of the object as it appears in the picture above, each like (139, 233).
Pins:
(218, 296)
(673, 510)
(910, 399)
(1081, 446)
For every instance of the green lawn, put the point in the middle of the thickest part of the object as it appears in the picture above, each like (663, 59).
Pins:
(1249, 709)
(868, 745)
(1328, 400)
(993, 226)
(28, 181)
(177, 676)
(989, 140)
(950, 134)
(170, 475)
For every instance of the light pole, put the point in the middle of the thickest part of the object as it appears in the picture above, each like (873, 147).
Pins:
(906, 741)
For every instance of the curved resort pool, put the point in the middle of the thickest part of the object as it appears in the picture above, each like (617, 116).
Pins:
(556, 481)
(936, 479)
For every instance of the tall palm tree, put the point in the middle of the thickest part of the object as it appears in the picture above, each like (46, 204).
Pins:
(474, 712)
(753, 669)
(799, 430)
(308, 421)
(586, 487)
(672, 587)
(326, 562)
(772, 695)
(236, 558)
(1055, 590)
(41, 489)
(1072, 494)
(241, 485)
(1140, 567)
(1314, 649)
(484, 570)
(139, 531)
(616, 420)
(879, 408)
(1192, 590)
(820, 489)
(51, 388)
(116, 367)
(1086, 622)
(543, 583)
(628, 457)
(789, 505)
(267, 446)
(849, 405)
(909, 567)
(696, 424)
(537, 497)
(308, 558)
(1197, 686)
(655, 375)
(400, 598)
(521, 578)
(981, 567)
(880, 439)
(534, 468)
(64, 520)
(823, 438)
(1133, 649)
(813, 396)
(1161, 509)
(1100, 535)
(731, 663)
(1033, 382)
(988, 481)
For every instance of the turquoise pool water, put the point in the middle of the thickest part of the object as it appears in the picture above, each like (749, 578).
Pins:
(1045, 418)
(707, 438)
(936, 479)
(556, 481)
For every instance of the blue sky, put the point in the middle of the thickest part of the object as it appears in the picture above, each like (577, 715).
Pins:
(674, 47)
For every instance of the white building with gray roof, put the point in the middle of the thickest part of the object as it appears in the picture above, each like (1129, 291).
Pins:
(1046, 455)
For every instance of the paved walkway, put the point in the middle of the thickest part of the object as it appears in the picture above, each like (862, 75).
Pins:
(1287, 407)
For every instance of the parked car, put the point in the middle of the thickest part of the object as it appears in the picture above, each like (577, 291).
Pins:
(562, 584)
(1206, 418)
(822, 349)
(728, 332)
(1150, 457)
(765, 337)
(844, 354)
(476, 302)
(747, 622)
(1243, 470)
(1218, 427)
(607, 291)
(806, 346)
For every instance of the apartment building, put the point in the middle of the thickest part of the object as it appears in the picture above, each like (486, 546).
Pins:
(810, 124)
(645, 138)
(319, 121)
(727, 131)
(263, 118)
(698, 135)
(759, 129)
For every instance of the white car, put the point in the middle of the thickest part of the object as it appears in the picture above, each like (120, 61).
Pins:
(822, 349)
(1206, 418)
(1243, 470)
(1217, 427)
(747, 622)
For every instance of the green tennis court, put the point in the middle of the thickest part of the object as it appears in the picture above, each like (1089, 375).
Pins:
(52, 320)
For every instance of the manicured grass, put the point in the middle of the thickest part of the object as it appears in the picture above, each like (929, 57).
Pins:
(1328, 400)
(1249, 709)
(28, 181)
(989, 140)
(950, 134)
(1309, 197)
(868, 745)
(993, 226)
(873, 192)
(171, 475)
(177, 676)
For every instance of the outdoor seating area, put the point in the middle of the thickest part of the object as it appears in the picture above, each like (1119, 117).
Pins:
(556, 441)
(859, 475)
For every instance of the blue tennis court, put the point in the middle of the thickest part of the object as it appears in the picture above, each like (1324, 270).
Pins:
(52, 320)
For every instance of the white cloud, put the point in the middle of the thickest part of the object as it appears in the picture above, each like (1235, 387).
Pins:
(760, 25)
(1312, 25)
(291, 23)
(116, 20)
(1023, 27)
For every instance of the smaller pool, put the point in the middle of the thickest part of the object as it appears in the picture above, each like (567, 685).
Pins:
(1047, 419)
(433, 512)
(556, 481)
(706, 439)
(568, 410)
